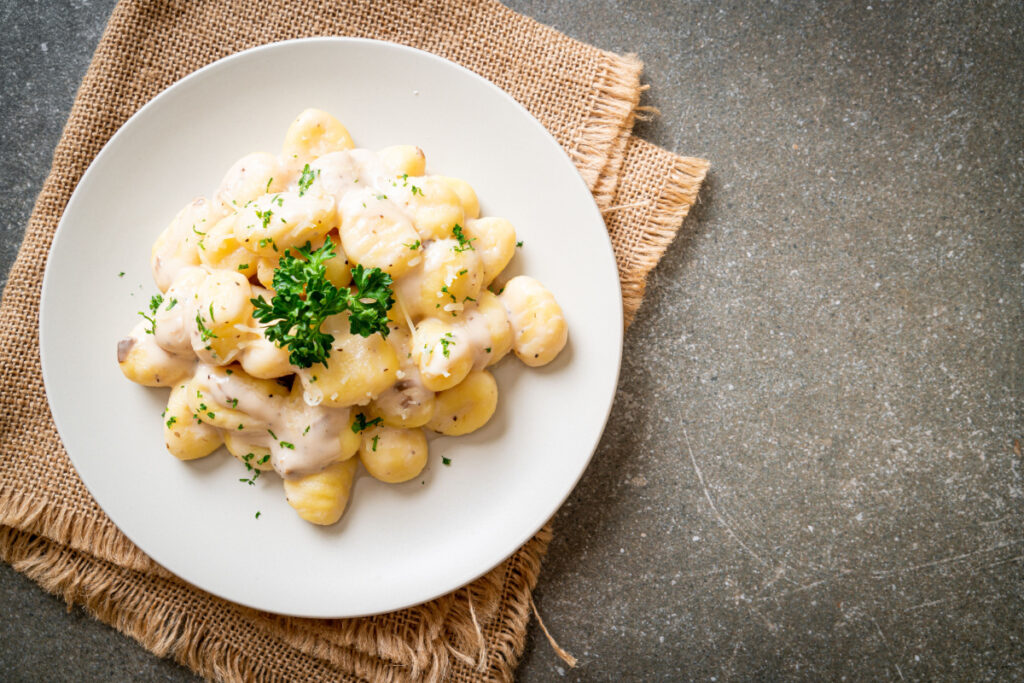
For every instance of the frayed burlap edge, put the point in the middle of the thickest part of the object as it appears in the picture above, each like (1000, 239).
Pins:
(661, 221)
(602, 147)
(111, 593)
(80, 532)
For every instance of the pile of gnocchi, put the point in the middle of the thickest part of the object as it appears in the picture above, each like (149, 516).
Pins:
(316, 386)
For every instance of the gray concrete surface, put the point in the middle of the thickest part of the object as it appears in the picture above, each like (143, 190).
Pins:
(811, 469)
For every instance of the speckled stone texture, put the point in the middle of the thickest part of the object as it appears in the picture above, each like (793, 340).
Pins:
(811, 469)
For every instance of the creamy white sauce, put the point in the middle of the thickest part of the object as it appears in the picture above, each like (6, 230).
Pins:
(177, 248)
(176, 365)
(408, 392)
(356, 169)
(174, 324)
(474, 332)
(302, 439)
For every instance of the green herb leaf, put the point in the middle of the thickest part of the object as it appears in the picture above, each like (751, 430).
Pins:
(305, 298)
(154, 303)
(265, 216)
(307, 178)
(446, 341)
(205, 333)
(464, 242)
(360, 423)
(368, 307)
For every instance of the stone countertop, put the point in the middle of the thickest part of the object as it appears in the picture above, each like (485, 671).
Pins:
(812, 469)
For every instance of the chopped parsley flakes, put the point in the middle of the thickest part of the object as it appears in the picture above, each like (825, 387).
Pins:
(205, 333)
(361, 423)
(154, 303)
(446, 341)
(464, 242)
(307, 178)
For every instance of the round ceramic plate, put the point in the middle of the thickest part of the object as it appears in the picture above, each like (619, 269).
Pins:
(397, 545)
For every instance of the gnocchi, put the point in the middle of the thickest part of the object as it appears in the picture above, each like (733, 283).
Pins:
(328, 307)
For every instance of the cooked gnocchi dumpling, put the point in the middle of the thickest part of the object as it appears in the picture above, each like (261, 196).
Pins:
(326, 308)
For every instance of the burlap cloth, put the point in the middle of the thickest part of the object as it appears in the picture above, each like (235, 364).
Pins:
(50, 527)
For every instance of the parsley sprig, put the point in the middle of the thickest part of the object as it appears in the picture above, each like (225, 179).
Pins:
(306, 298)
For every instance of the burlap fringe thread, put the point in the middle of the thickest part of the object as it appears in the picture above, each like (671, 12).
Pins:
(614, 99)
(78, 531)
(109, 593)
(661, 223)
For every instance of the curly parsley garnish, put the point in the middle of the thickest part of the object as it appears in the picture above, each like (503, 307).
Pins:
(306, 298)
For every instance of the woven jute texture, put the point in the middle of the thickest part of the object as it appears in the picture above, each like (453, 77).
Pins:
(50, 527)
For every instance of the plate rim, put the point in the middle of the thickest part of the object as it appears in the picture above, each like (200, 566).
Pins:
(48, 284)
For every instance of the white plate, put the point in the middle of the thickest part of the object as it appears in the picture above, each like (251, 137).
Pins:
(397, 545)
